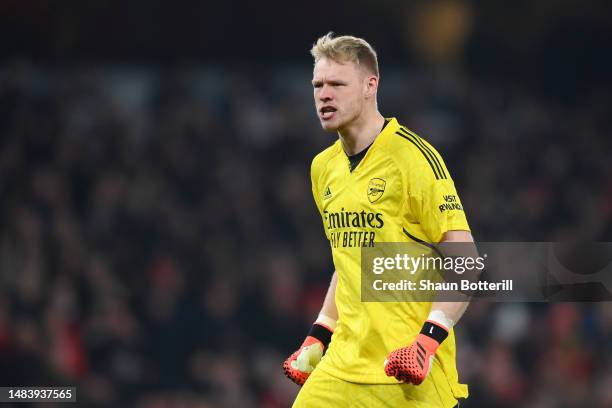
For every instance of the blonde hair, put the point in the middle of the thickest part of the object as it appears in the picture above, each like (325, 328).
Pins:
(346, 48)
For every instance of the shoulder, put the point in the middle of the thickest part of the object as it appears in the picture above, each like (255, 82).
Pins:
(321, 160)
(412, 151)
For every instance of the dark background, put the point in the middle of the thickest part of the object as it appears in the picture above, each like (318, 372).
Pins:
(159, 246)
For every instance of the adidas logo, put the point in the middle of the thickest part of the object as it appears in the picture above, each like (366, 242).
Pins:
(327, 194)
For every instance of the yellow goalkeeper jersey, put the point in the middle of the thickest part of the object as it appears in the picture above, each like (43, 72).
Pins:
(400, 191)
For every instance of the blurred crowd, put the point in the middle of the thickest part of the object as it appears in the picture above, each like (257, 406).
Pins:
(159, 246)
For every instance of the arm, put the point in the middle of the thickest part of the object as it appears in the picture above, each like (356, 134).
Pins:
(329, 304)
(449, 313)
(433, 200)
(302, 362)
(412, 364)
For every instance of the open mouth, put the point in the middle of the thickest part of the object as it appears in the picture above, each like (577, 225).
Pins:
(327, 112)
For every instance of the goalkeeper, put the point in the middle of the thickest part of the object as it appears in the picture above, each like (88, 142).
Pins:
(379, 182)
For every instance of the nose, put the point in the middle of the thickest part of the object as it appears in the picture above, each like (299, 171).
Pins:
(325, 93)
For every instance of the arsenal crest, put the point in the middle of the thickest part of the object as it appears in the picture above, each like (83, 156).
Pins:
(376, 188)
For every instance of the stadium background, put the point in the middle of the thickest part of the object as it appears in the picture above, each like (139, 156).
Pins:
(158, 242)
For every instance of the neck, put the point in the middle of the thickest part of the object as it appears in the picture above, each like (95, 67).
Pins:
(361, 132)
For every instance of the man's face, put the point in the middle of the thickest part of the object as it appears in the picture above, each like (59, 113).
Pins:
(339, 92)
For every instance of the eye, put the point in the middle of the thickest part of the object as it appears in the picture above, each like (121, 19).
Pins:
(317, 85)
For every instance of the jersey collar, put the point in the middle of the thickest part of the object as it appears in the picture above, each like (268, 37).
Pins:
(379, 142)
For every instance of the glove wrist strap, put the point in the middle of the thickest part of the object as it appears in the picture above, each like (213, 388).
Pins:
(434, 331)
(321, 333)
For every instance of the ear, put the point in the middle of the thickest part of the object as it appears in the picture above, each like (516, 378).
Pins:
(371, 86)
